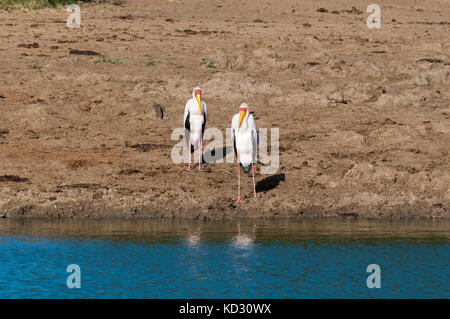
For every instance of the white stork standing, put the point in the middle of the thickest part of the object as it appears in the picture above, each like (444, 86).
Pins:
(194, 123)
(245, 140)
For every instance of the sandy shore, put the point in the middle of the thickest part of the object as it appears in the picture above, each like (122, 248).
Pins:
(363, 114)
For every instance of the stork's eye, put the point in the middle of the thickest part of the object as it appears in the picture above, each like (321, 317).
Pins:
(197, 92)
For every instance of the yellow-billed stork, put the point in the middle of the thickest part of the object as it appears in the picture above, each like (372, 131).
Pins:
(245, 140)
(194, 123)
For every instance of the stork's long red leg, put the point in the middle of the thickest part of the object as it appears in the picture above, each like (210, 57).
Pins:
(239, 181)
(189, 150)
(253, 173)
(200, 153)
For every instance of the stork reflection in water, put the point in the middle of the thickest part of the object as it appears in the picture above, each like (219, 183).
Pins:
(243, 240)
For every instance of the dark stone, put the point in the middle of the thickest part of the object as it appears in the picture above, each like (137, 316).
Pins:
(128, 171)
(13, 178)
(158, 110)
(353, 10)
(189, 31)
(80, 52)
(28, 45)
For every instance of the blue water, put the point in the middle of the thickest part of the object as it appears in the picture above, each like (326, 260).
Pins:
(157, 259)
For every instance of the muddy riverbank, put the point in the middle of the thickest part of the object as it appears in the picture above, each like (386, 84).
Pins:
(363, 114)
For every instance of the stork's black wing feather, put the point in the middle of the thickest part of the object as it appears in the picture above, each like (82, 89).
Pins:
(234, 144)
(187, 123)
(203, 125)
(187, 131)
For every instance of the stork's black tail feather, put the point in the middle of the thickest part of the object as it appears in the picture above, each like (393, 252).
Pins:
(193, 147)
(246, 169)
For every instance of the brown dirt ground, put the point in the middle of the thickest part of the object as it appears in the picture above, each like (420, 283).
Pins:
(364, 115)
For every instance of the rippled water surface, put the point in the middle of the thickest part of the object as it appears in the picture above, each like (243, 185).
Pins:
(266, 259)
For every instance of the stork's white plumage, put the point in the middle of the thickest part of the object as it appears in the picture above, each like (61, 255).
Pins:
(245, 140)
(194, 123)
